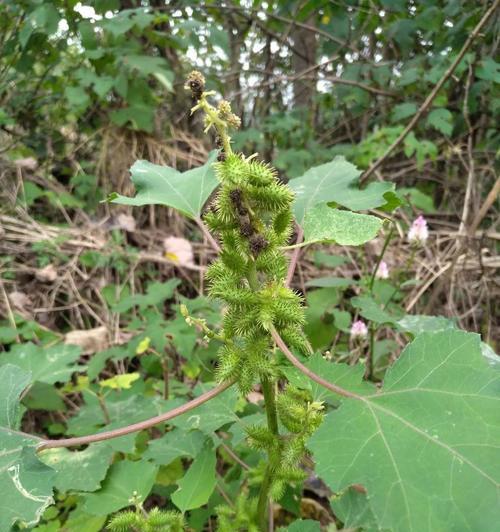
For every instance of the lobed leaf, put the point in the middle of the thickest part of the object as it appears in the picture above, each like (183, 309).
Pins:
(45, 364)
(333, 182)
(186, 192)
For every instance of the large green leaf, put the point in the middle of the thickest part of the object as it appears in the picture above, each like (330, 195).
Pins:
(25, 483)
(198, 483)
(324, 224)
(419, 323)
(161, 185)
(426, 447)
(79, 470)
(45, 364)
(125, 481)
(334, 181)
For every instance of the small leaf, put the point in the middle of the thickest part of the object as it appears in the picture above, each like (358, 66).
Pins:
(125, 480)
(210, 416)
(161, 185)
(489, 70)
(442, 120)
(155, 294)
(370, 310)
(402, 111)
(198, 483)
(120, 382)
(352, 507)
(174, 444)
(143, 346)
(324, 224)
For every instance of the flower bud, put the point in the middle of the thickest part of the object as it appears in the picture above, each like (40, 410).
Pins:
(233, 121)
(224, 108)
(359, 330)
(195, 82)
(418, 233)
(382, 271)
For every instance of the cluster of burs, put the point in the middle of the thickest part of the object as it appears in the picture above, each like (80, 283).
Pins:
(252, 215)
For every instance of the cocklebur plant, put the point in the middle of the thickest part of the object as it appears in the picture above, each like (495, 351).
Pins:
(252, 216)
(412, 440)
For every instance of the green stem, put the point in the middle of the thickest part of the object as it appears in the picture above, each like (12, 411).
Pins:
(270, 404)
(370, 355)
(381, 256)
(269, 392)
(263, 503)
(219, 124)
(268, 389)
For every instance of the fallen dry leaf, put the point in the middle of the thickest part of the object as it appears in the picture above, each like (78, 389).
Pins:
(29, 163)
(179, 250)
(126, 222)
(255, 397)
(47, 274)
(20, 300)
(90, 340)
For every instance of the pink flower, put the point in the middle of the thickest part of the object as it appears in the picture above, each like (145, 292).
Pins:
(382, 271)
(359, 330)
(418, 233)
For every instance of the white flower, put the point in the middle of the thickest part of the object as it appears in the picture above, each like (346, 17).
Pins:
(382, 271)
(359, 330)
(418, 233)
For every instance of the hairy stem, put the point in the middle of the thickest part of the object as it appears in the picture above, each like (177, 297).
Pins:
(269, 391)
(263, 503)
(370, 357)
(263, 506)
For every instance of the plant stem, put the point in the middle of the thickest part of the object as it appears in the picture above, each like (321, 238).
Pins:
(370, 355)
(135, 427)
(263, 506)
(104, 408)
(270, 404)
(263, 503)
(381, 256)
(269, 392)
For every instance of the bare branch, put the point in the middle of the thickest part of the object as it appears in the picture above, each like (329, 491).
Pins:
(306, 371)
(136, 427)
(295, 257)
